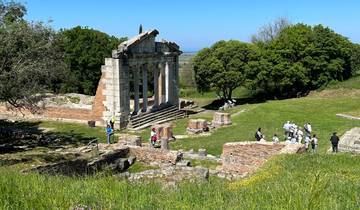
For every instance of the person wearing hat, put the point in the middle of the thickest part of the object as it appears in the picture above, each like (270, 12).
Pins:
(335, 142)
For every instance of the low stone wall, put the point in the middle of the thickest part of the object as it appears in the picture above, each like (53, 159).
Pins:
(246, 157)
(172, 174)
(153, 155)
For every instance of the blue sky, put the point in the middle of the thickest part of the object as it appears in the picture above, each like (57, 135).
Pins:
(195, 24)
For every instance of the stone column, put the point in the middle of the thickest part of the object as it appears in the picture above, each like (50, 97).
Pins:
(144, 87)
(156, 87)
(124, 90)
(161, 84)
(175, 88)
(167, 80)
(136, 90)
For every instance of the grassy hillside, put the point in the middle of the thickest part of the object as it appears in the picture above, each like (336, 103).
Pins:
(307, 181)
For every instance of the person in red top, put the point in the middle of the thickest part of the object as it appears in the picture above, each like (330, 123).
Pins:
(153, 136)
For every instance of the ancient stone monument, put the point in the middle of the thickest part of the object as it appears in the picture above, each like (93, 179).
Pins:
(134, 66)
(197, 126)
(164, 131)
(221, 119)
(134, 59)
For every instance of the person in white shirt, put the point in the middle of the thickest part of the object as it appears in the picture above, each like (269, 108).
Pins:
(287, 129)
(314, 143)
(275, 138)
(308, 129)
(299, 135)
(307, 142)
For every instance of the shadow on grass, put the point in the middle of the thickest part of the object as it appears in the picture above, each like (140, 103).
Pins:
(20, 136)
(216, 104)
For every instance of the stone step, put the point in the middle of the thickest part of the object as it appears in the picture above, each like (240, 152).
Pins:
(158, 119)
(156, 122)
(151, 114)
(177, 113)
(152, 117)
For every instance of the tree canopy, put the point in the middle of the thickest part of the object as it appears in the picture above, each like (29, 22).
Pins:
(85, 51)
(30, 57)
(223, 66)
(294, 60)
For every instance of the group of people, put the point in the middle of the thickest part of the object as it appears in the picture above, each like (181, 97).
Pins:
(294, 134)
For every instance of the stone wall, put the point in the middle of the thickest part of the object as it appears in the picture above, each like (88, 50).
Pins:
(65, 112)
(246, 157)
(152, 155)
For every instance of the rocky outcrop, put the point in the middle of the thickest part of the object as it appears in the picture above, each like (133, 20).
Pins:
(116, 160)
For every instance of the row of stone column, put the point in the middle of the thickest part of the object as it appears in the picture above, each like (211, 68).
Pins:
(164, 86)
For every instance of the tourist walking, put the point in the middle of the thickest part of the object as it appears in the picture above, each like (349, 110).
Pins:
(112, 122)
(286, 128)
(307, 142)
(308, 129)
(109, 132)
(334, 142)
(153, 137)
(314, 143)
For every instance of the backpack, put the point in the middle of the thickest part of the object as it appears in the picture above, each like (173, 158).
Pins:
(257, 136)
(312, 142)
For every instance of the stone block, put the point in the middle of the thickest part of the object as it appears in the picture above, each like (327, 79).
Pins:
(197, 126)
(165, 144)
(164, 131)
(221, 119)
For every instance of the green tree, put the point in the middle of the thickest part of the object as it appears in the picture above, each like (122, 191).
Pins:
(30, 58)
(222, 67)
(85, 51)
(11, 12)
(302, 58)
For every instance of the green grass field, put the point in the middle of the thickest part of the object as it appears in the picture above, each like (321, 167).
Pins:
(306, 181)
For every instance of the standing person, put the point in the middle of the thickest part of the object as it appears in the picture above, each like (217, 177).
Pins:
(109, 132)
(112, 122)
(299, 135)
(307, 128)
(314, 143)
(286, 128)
(153, 136)
(307, 142)
(335, 142)
(258, 135)
(275, 138)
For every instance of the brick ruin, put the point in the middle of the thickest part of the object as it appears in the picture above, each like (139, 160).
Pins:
(245, 157)
(139, 59)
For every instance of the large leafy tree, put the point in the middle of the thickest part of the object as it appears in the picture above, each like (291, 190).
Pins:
(222, 67)
(31, 60)
(302, 58)
(85, 50)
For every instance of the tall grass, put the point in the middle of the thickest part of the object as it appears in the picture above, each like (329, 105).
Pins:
(286, 182)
